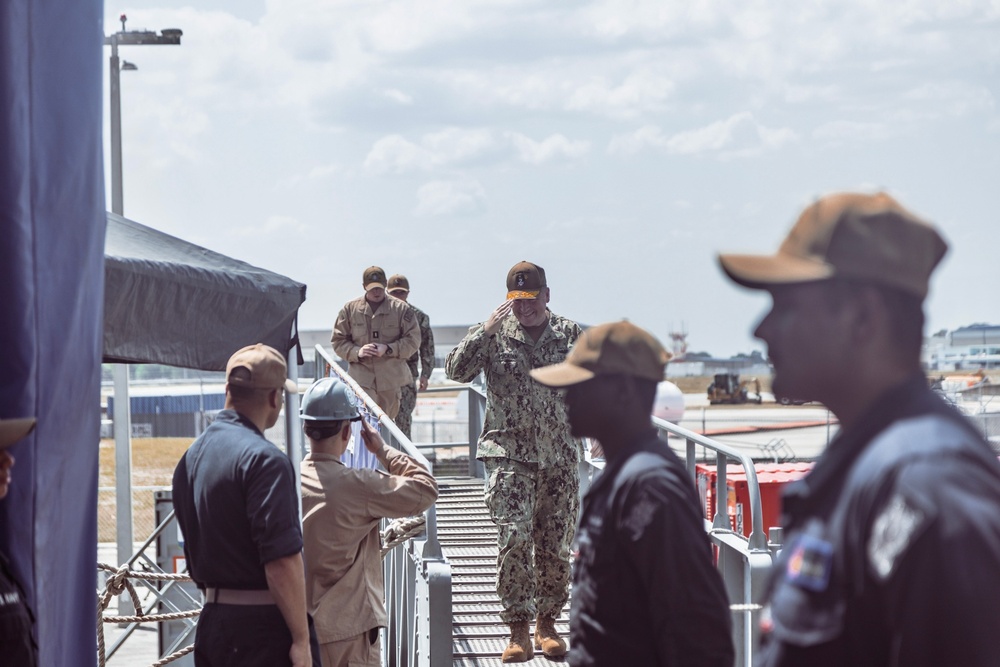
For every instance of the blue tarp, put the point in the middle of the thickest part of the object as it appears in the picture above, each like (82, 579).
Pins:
(52, 270)
(52, 222)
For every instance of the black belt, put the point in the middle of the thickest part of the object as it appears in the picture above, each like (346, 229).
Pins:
(237, 596)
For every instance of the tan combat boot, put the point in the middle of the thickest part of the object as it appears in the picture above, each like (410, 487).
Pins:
(547, 640)
(519, 648)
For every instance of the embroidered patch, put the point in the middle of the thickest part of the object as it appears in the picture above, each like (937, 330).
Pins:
(408, 315)
(892, 531)
(810, 563)
(639, 516)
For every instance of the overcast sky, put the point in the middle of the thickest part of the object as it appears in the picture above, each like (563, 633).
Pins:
(618, 144)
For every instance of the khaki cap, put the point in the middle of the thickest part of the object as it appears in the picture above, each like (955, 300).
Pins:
(616, 348)
(267, 369)
(12, 430)
(848, 235)
(525, 280)
(373, 277)
(398, 282)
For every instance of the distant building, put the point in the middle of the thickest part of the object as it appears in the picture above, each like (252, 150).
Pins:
(967, 348)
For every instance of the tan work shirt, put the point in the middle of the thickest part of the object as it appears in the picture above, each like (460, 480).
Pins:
(393, 324)
(341, 509)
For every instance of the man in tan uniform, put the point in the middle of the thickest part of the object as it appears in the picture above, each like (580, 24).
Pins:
(341, 509)
(399, 287)
(530, 457)
(376, 335)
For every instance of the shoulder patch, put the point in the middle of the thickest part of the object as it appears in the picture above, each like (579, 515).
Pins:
(893, 530)
(408, 315)
(810, 563)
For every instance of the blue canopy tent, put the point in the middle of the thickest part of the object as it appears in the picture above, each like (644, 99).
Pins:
(52, 271)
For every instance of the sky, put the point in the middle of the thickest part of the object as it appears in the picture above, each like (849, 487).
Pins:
(618, 144)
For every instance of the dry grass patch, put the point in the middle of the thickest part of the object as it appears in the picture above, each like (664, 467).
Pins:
(153, 462)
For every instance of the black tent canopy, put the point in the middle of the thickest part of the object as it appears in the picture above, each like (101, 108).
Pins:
(167, 301)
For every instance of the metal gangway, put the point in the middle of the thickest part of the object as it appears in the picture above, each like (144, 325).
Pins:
(460, 546)
(440, 598)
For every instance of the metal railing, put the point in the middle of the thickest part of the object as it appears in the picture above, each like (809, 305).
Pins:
(417, 575)
(743, 562)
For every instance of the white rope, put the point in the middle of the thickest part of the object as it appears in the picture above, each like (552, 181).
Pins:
(119, 582)
(400, 530)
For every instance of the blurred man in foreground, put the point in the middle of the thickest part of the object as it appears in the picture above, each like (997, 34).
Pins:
(892, 550)
(645, 590)
(17, 643)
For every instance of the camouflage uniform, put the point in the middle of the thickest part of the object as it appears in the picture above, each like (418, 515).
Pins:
(393, 324)
(531, 462)
(408, 397)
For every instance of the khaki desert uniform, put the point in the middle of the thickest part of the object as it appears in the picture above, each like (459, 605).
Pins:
(531, 460)
(341, 510)
(408, 395)
(393, 324)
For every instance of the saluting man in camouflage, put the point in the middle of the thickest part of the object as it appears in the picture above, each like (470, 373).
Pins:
(399, 287)
(530, 458)
(376, 334)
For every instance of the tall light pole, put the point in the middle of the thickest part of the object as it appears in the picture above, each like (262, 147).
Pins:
(122, 417)
(132, 38)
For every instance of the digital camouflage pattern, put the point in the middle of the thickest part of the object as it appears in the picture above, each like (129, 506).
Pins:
(425, 357)
(532, 486)
(525, 420)
(426, 352)
(535, 510)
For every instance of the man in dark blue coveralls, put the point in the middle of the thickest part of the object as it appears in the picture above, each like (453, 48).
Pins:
(237, 506)
(892, 554)
(645, 590)
(17, 643)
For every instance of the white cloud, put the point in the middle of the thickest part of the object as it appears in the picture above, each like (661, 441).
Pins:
(841, 131)
(456, 147)
(273, 226)
(395, 155)
(739, 135)
(553, 148)
(450, 198)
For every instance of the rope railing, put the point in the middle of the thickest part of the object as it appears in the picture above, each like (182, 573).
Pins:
(400, 530)
(120, 582)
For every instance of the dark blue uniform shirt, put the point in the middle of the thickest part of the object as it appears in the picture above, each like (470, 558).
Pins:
(236, 502)
(645, 590)
(893, 549)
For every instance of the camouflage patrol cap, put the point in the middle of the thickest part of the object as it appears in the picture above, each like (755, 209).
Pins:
(865, 237)
(373, 277)
(616, 348)
(525, 280)
(398, 282)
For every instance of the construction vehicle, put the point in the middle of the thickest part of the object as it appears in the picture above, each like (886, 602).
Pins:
(728, 388)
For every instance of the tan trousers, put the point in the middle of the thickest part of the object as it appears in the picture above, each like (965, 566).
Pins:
(358, 650)
(387, 400)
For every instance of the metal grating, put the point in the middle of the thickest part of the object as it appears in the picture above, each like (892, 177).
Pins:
(468, 539)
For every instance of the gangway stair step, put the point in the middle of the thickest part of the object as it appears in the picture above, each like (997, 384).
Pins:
(468, 539)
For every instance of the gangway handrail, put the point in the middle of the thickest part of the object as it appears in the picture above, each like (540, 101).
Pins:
(757, 540)
(417, 577)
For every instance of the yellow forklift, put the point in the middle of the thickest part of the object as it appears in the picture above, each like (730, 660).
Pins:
(728, 388)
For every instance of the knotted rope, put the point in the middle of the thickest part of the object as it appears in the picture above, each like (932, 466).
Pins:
(120, 581)
(400, 530)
